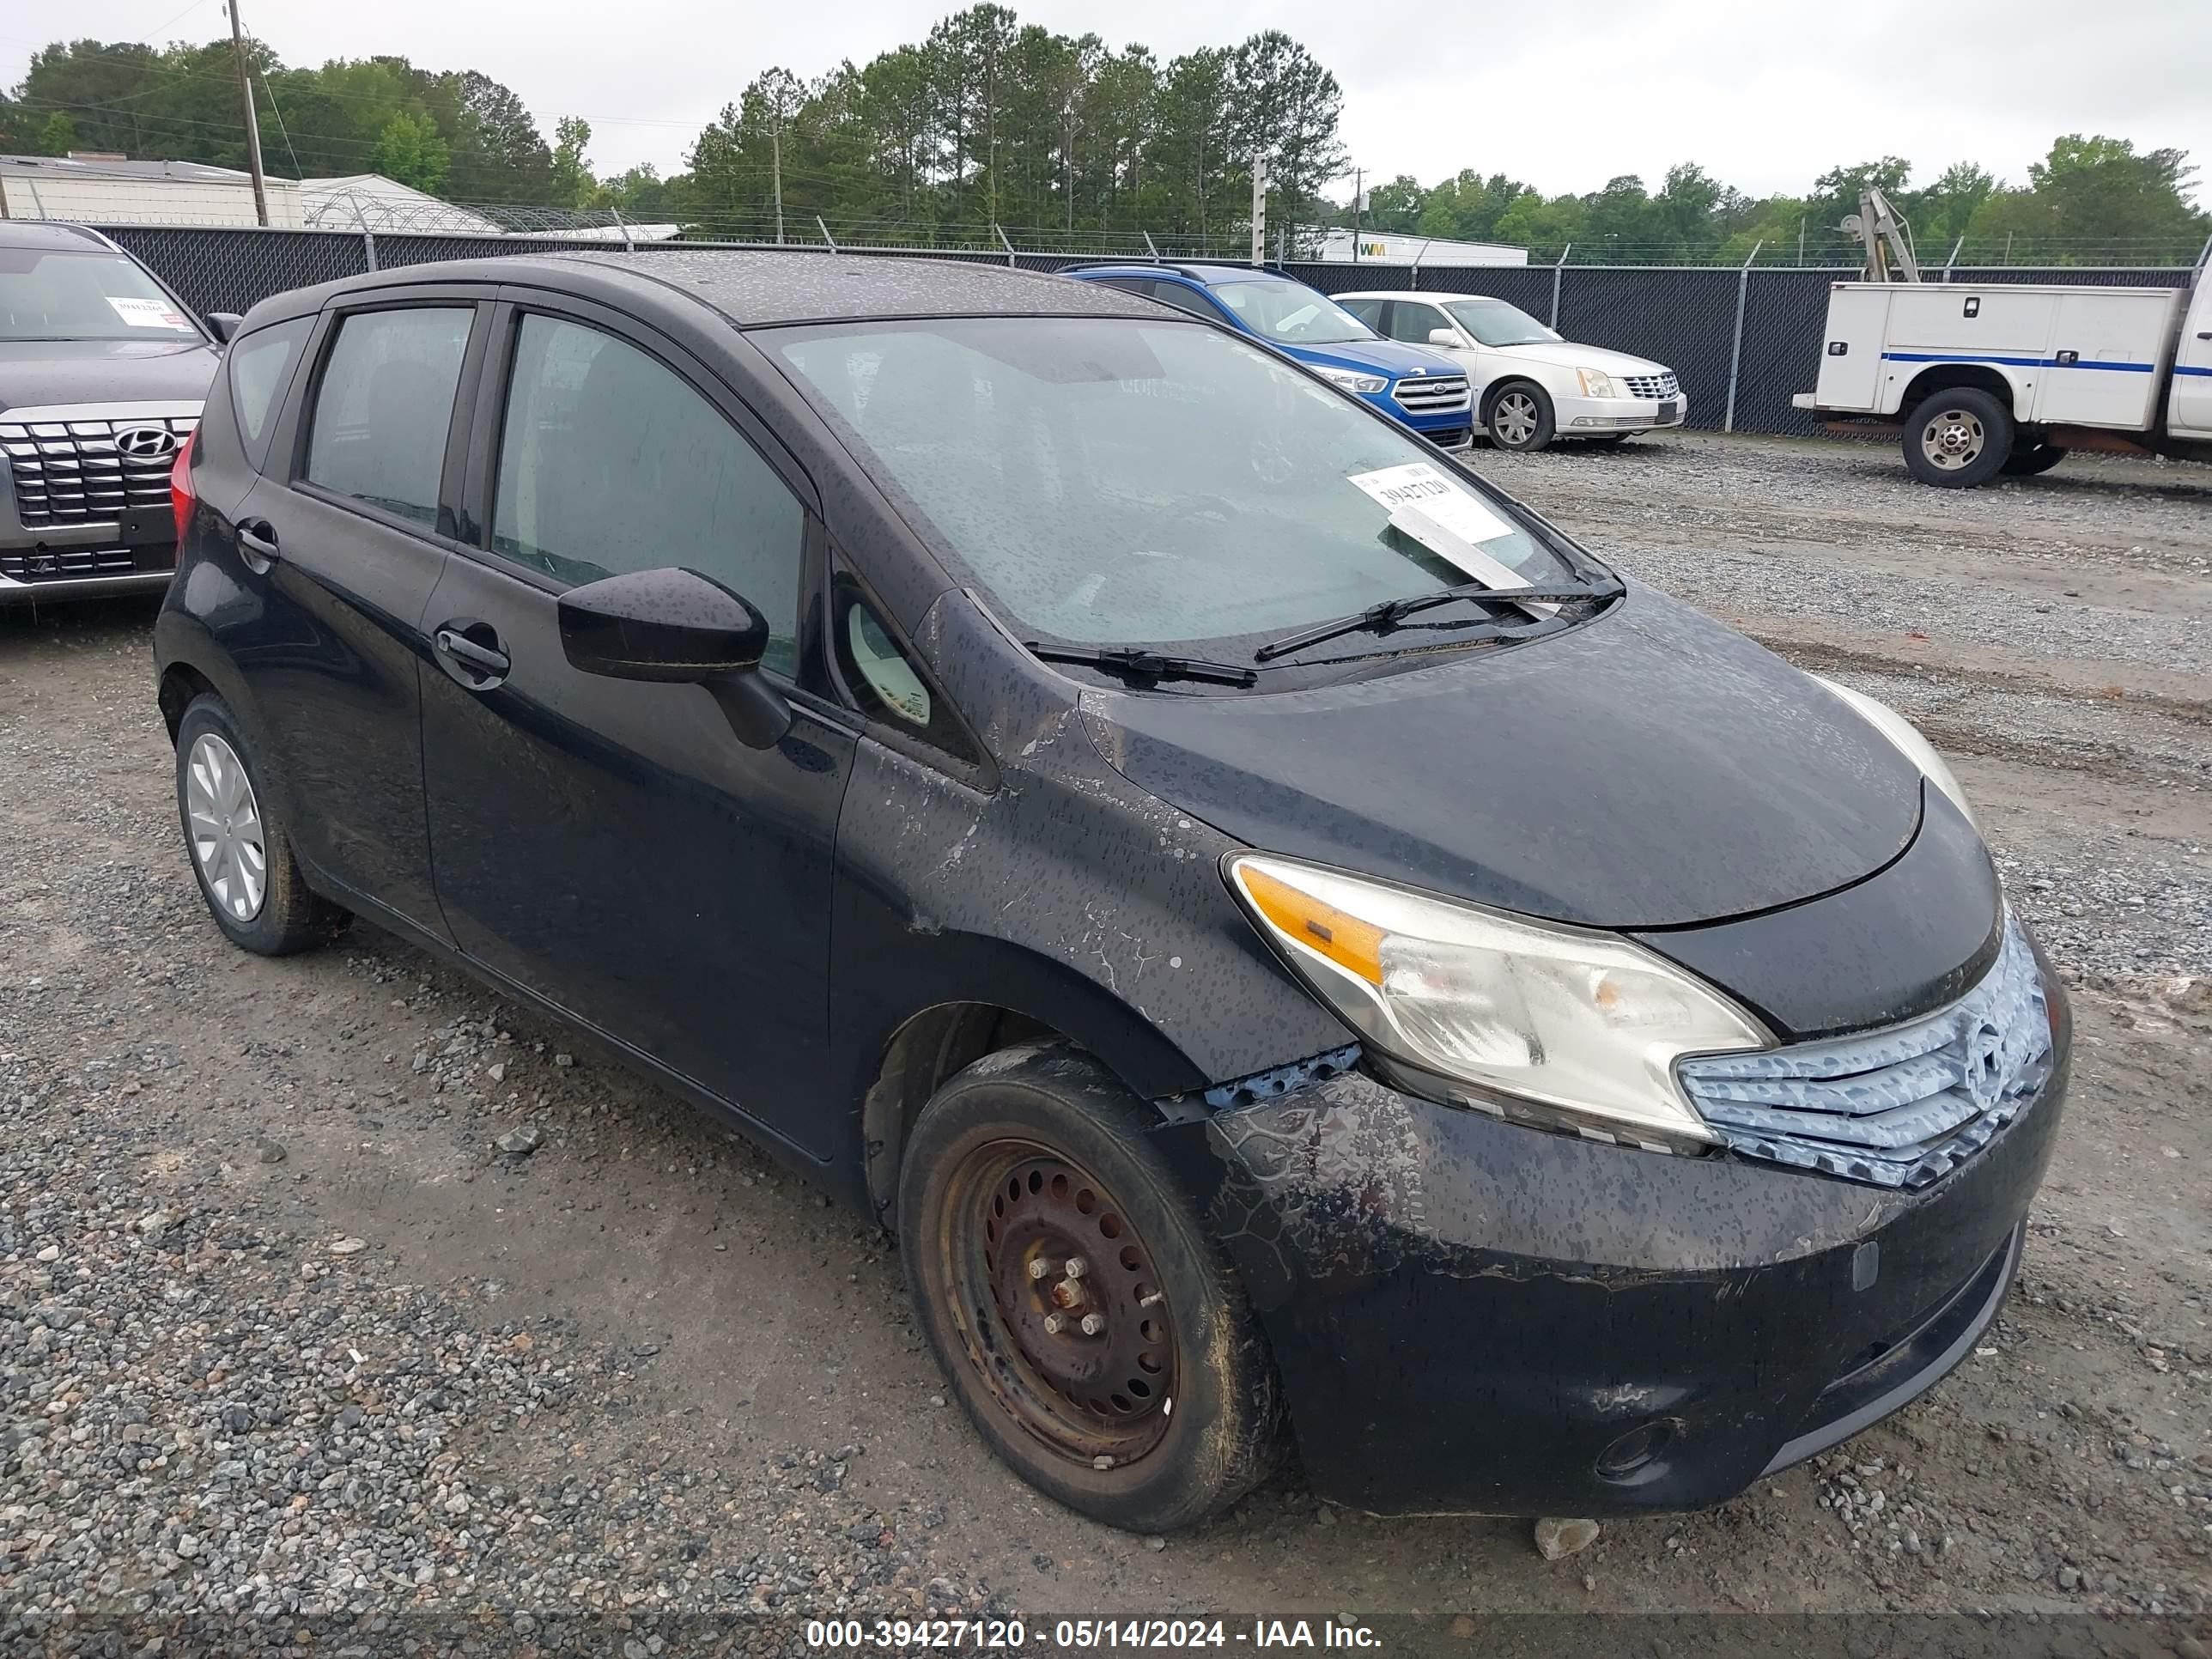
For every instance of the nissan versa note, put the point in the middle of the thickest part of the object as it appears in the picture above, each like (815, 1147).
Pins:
(1300, 951)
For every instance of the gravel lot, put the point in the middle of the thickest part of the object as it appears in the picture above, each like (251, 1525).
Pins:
(338, 1287)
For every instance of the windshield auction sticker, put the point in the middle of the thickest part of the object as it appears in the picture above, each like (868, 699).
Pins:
(1417, 484)
(148, 314)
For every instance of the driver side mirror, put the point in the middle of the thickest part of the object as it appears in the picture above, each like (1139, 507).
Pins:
(224, 324)
(677, 626)
(1444, 336)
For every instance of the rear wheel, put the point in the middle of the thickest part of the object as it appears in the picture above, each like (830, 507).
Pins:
(1958, 438)
(240, 854)
(1093, 1331)
(1519, 417)
(2026, 463)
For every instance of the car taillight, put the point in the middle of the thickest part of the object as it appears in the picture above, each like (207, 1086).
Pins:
(182, 500)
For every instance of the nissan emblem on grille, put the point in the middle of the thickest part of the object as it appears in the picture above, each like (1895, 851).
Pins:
(146, 443)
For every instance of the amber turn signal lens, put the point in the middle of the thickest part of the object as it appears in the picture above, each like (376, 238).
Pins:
(1350, 943)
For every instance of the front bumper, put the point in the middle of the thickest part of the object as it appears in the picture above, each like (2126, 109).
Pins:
(1574, 417)
(1471, 1315)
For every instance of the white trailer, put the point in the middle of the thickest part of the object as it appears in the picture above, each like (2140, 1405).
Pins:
(1983, 379)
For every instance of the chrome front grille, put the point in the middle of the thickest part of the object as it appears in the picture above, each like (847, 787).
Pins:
(1899, 1108)
(74, 472)
(1431, 394)
(1651, 386)
(63, 564)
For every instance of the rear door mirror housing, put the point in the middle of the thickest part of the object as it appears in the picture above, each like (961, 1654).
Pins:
(1444, 337)
(676, 626)
(224, 324)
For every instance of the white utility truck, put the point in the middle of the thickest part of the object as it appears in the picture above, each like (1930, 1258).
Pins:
(1984, 378)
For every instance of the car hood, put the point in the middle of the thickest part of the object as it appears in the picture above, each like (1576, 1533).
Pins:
(47, 374)
(1650, 768)
(1565, 353)
(1389, 357)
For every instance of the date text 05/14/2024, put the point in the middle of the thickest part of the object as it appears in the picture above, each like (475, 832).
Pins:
(1085, 1634)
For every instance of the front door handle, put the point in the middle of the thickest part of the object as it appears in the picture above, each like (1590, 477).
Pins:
(259, 537)
(477, 662)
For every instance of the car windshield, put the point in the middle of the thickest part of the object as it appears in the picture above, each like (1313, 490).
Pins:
(1290, 313)
(50, 294)
(1497, 324)
(1120, 482)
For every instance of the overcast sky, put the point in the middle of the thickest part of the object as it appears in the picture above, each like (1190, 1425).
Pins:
(1766, 94)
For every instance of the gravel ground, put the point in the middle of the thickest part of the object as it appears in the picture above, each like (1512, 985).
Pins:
(337, 1289)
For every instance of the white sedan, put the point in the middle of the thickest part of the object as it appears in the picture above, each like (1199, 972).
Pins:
(1530, 384)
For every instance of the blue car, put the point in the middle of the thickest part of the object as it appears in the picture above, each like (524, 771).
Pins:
(1423, 389)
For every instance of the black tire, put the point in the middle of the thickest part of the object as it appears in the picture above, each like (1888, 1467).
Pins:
(283, 916)
(2027, 462)
(1034, 1151)
(1958, 438)
(1518, 417)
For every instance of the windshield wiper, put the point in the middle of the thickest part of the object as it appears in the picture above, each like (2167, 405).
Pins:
(1141, 664)
(1382, 618)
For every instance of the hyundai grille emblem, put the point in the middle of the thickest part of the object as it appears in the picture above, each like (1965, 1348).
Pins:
(146, 443)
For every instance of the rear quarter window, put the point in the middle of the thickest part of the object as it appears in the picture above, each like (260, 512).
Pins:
(259, 368)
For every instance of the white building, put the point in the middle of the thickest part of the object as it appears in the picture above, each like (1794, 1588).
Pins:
(1377, 248)
(110, 190)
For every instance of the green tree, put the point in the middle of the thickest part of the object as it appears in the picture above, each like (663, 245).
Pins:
(411, 151)
(1287, 107)
(573, 184)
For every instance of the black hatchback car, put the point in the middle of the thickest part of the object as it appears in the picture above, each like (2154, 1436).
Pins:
(1293, 944)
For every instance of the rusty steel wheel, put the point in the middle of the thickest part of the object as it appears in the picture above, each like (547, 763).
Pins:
(1091, 1328)
(1067, 1319)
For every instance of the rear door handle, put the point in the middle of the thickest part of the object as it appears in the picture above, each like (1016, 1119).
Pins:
(486, 662)
(259, 537)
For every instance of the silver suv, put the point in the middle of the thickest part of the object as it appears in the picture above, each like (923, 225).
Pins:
(102, 372)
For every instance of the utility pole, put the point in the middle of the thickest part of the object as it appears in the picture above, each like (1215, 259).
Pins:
(775, 170)
(1355, 216)
(252, 125)
(1258, 209)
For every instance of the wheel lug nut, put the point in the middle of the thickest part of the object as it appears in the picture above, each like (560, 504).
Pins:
(1093, 1324)
(1077, 1267)
(1054, 1323)
(1040, 1268)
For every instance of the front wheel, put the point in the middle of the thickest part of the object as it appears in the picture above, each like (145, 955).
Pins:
(2027, 462)
(1958, 438)
(1519, 417)
(1093, 1331)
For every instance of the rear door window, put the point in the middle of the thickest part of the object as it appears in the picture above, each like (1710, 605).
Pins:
(1411, 321)
(386, 402)
(1185, 297)
(260, 368)
(609, 462)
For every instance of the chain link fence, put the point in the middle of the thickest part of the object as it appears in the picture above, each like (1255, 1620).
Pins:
(1743, 341)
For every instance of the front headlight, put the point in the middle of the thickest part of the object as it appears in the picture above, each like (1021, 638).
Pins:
(1567, 1026)
(1597, 383)
(1906, 738)
(1351, 380)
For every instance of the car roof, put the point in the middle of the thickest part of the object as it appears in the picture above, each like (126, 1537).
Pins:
(1432, 296)
(72, 238)
(1210, 276)
(752, 287)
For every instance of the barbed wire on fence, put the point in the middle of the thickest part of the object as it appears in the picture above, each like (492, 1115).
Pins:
(213, 197)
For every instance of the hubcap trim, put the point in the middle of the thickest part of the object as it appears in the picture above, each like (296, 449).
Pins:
(223, 825)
